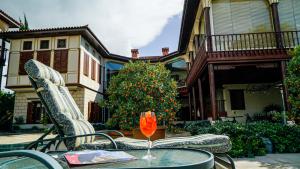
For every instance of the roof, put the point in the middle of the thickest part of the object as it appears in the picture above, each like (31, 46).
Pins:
(85, 31)
(12, 23)
(188, 17)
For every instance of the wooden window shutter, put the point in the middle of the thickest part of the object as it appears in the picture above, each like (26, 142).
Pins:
(93, 71)
(24, 57)
(29, 113)
(44, 57)
(61, 61)
(86, 64)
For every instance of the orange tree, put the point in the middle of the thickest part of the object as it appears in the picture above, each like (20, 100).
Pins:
(139, 87)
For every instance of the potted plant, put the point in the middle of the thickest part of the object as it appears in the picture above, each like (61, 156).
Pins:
(139, 87)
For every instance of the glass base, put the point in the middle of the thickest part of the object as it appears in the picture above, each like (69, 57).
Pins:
(148, 157)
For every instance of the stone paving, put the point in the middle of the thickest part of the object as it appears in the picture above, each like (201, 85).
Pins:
(270, 161)
(19, 138)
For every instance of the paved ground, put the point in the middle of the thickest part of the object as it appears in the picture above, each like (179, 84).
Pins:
(270, 161)
(17, 138)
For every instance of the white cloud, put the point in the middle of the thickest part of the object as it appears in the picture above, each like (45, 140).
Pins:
(119, 24)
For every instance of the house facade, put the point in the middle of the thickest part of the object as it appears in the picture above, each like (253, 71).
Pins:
(230, 63)
(238, 52)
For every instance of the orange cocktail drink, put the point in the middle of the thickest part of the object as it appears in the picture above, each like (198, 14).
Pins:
(148, 123)
(148, 127)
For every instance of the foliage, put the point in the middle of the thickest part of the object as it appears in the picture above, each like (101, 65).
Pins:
(292, 81)
(7, 100)
(247, 138)
(19, 120)
(23, 26)
(139, 87)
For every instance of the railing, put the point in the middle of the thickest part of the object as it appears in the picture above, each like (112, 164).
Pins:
(236, 46)
(254, 41)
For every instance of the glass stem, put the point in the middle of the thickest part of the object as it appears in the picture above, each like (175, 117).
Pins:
(149, 147)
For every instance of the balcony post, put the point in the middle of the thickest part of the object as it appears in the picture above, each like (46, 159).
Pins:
(212, 90)
(208, 28)
(201, 99)
(284, 89)
(190, 106)
(276, 24)
(194, 103)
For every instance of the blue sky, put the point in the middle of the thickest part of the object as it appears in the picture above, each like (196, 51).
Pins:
(167, 38)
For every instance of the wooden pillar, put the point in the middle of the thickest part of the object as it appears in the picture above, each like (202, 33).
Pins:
(276, 24)
(285, 92)
(208, 28)
(194, 103)
(190, 106)
(201, 99)
(212, 90)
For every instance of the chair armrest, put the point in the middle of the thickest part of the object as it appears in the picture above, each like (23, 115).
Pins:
(45, 159)
(94, 134)
(34, 145)
(111, 131)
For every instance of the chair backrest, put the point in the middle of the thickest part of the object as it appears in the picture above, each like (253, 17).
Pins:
(60, 105)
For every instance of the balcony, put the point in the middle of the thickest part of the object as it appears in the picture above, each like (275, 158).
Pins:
(248, 47)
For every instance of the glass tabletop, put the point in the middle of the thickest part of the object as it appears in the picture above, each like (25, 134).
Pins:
(165, 158)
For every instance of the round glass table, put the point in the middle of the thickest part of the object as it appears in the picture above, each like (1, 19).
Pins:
(165, 158)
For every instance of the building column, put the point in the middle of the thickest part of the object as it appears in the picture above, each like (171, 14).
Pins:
(201, 99)
(190, 106)
(2, 59)
(212, 90)
(276, 24)
(194, 103)
(208, 28)
(285, 91)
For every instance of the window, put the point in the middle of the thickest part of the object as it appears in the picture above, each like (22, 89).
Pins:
(86, 64)
(24, 57)
(36, 113)
(237, 99)
(61, 61)
(44, 44)
(241, 16)
(61, 43)
(87, 47)
(27, 45)
(93, 67)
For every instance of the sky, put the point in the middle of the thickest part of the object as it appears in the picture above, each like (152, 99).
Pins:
(120, 25)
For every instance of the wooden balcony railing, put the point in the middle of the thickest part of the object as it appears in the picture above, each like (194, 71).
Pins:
(254, 41)
(238, 47)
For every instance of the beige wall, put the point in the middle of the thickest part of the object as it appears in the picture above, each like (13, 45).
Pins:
(254, 102)
(73, 45)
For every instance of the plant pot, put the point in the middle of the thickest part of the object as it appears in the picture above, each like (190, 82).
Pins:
(160, 133)
(126, 133)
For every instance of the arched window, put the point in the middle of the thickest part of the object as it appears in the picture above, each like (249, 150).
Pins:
(289, 14)
(241, 16)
